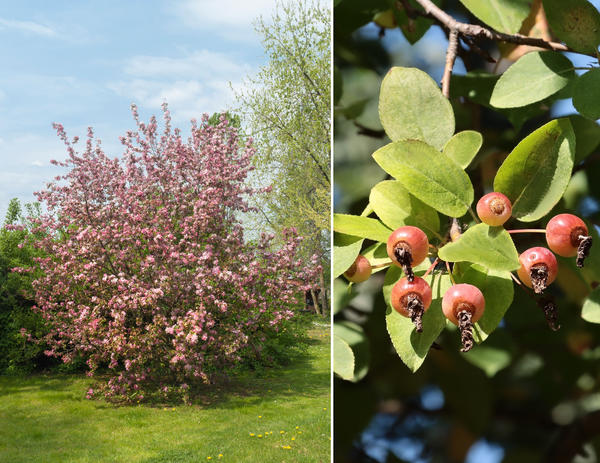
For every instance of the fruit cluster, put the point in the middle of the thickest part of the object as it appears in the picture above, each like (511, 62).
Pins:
(464, 304)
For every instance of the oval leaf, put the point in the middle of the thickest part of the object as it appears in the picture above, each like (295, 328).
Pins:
(576, 22)
(396, 207)
(490, 359)
(503, 15)
(497, 288)
(411, 106)
(586, 94)
(364, 227)
(463, 147)
(491, 247)
(532, 78)
(591, 307)
(537, 172)
(587, 136)
(353, 336)
(343, 359)
(413, 347)
(345, 250)
(428, 174)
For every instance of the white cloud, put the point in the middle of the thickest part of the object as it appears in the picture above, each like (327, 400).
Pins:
(213, 14)
(27, 26)
(195, 84)
(202, 63)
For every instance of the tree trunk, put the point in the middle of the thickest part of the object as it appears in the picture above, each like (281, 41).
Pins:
(324, 304)
(315, 302)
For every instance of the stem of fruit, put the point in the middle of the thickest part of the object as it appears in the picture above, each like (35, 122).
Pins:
(527, 230)
(450, 273)
(431, 267)
(475, 218)
(385, 264)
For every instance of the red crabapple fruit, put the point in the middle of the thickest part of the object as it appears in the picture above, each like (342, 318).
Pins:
(463, 304)
(359, 271)
(538, 268)
(411, 299)
(408, 246)
(494, 209)
(568, 236)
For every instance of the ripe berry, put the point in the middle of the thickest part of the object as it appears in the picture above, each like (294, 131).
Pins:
(494, 209)
(568, 236)
(538, 268)
(411, 299)
(463, 305)
(359, 271)
(408, 246)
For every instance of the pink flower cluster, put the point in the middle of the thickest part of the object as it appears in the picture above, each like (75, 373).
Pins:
(147, 271)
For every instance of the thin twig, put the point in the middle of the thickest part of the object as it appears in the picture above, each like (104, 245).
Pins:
(450, 58)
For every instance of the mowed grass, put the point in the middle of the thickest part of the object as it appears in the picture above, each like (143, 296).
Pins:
(282, 416)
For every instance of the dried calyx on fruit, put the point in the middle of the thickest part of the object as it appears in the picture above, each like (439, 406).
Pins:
(411, 299)
(567, 235)
(463, 304)
(408, 246)
(550, 312)
(538, 268)
(359, 271)
(494, 209)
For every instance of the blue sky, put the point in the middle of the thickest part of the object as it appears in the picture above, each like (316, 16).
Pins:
(82, 63)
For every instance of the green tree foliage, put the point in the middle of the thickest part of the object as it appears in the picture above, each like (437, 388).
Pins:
(16, 354)
(408, 152)
(286, 107)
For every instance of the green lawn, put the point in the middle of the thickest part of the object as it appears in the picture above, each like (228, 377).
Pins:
(47, 419)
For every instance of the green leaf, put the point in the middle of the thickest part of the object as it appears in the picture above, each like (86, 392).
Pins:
(377, 255)
(364, 227)
(412, 28)
(502, 15)
(532, 78)
(491, 247)
(342, 295)
(428, 174)
(586, 95)
(345, 250)
(478, 86)
(575, 22)
(497, 288)
(587, 136)
(350, 335)
(591, 307)
(537, 172)
(396, 207)
(490, 359)
(413, 347)
(411, 106)
(343, 359)
(463, 147)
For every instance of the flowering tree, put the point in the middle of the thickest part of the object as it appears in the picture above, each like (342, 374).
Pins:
(147, 270)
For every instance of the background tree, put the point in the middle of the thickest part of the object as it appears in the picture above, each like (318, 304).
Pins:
(286, 108)
(16, 354)
(526, 393)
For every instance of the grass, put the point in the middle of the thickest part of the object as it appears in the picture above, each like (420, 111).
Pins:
(281, 416)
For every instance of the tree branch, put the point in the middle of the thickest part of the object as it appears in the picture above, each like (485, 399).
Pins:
(470, 31)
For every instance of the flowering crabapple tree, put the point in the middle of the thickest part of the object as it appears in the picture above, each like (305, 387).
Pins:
(147, 272)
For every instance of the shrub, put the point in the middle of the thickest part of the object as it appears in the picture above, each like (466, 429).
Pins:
(147, 270)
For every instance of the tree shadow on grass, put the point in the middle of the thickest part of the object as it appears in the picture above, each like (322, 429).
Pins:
(37, 382)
